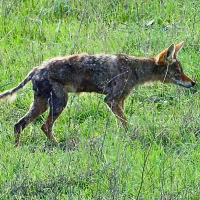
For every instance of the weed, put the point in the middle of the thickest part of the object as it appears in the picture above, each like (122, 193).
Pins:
(158, 158)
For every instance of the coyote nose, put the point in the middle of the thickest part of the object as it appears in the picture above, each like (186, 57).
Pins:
(193, 83)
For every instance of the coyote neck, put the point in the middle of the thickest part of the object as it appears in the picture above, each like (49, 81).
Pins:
(147, 70)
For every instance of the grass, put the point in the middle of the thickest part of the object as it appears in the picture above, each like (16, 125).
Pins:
(158, 158)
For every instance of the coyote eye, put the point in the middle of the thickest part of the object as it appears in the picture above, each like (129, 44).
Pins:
(177, 71)
(177, 76)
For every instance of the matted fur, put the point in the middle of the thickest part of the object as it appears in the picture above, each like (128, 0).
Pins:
(110, 75)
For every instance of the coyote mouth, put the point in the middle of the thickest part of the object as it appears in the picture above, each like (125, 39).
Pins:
(184, 84)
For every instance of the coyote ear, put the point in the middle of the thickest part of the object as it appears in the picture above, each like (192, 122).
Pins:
(166, 56)
(178, 48)
(169, 55)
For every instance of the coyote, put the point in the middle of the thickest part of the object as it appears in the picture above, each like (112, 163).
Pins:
(111, 75)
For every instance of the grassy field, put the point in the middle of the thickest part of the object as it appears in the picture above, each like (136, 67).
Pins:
(159, 156)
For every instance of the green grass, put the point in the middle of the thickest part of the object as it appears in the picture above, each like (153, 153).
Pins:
(158, 158)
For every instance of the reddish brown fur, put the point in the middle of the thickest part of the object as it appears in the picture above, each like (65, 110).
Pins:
(184, 77)
(111, 75)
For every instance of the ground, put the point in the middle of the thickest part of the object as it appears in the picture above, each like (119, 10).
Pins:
(158, 158)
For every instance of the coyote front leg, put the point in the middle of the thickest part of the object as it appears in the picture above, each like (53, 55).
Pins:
(117, 107)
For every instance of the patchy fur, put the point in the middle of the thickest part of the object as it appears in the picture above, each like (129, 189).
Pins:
(111, 75)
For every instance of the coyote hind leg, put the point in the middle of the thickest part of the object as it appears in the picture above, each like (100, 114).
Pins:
(38, 107)
(57, 103)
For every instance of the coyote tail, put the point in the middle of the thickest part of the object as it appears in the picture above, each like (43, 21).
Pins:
(11, 94)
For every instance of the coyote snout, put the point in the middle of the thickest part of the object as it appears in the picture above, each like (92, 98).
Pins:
(110, 75)
(183, 80)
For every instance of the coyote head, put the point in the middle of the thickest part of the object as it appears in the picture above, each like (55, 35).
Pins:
(170, 68)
